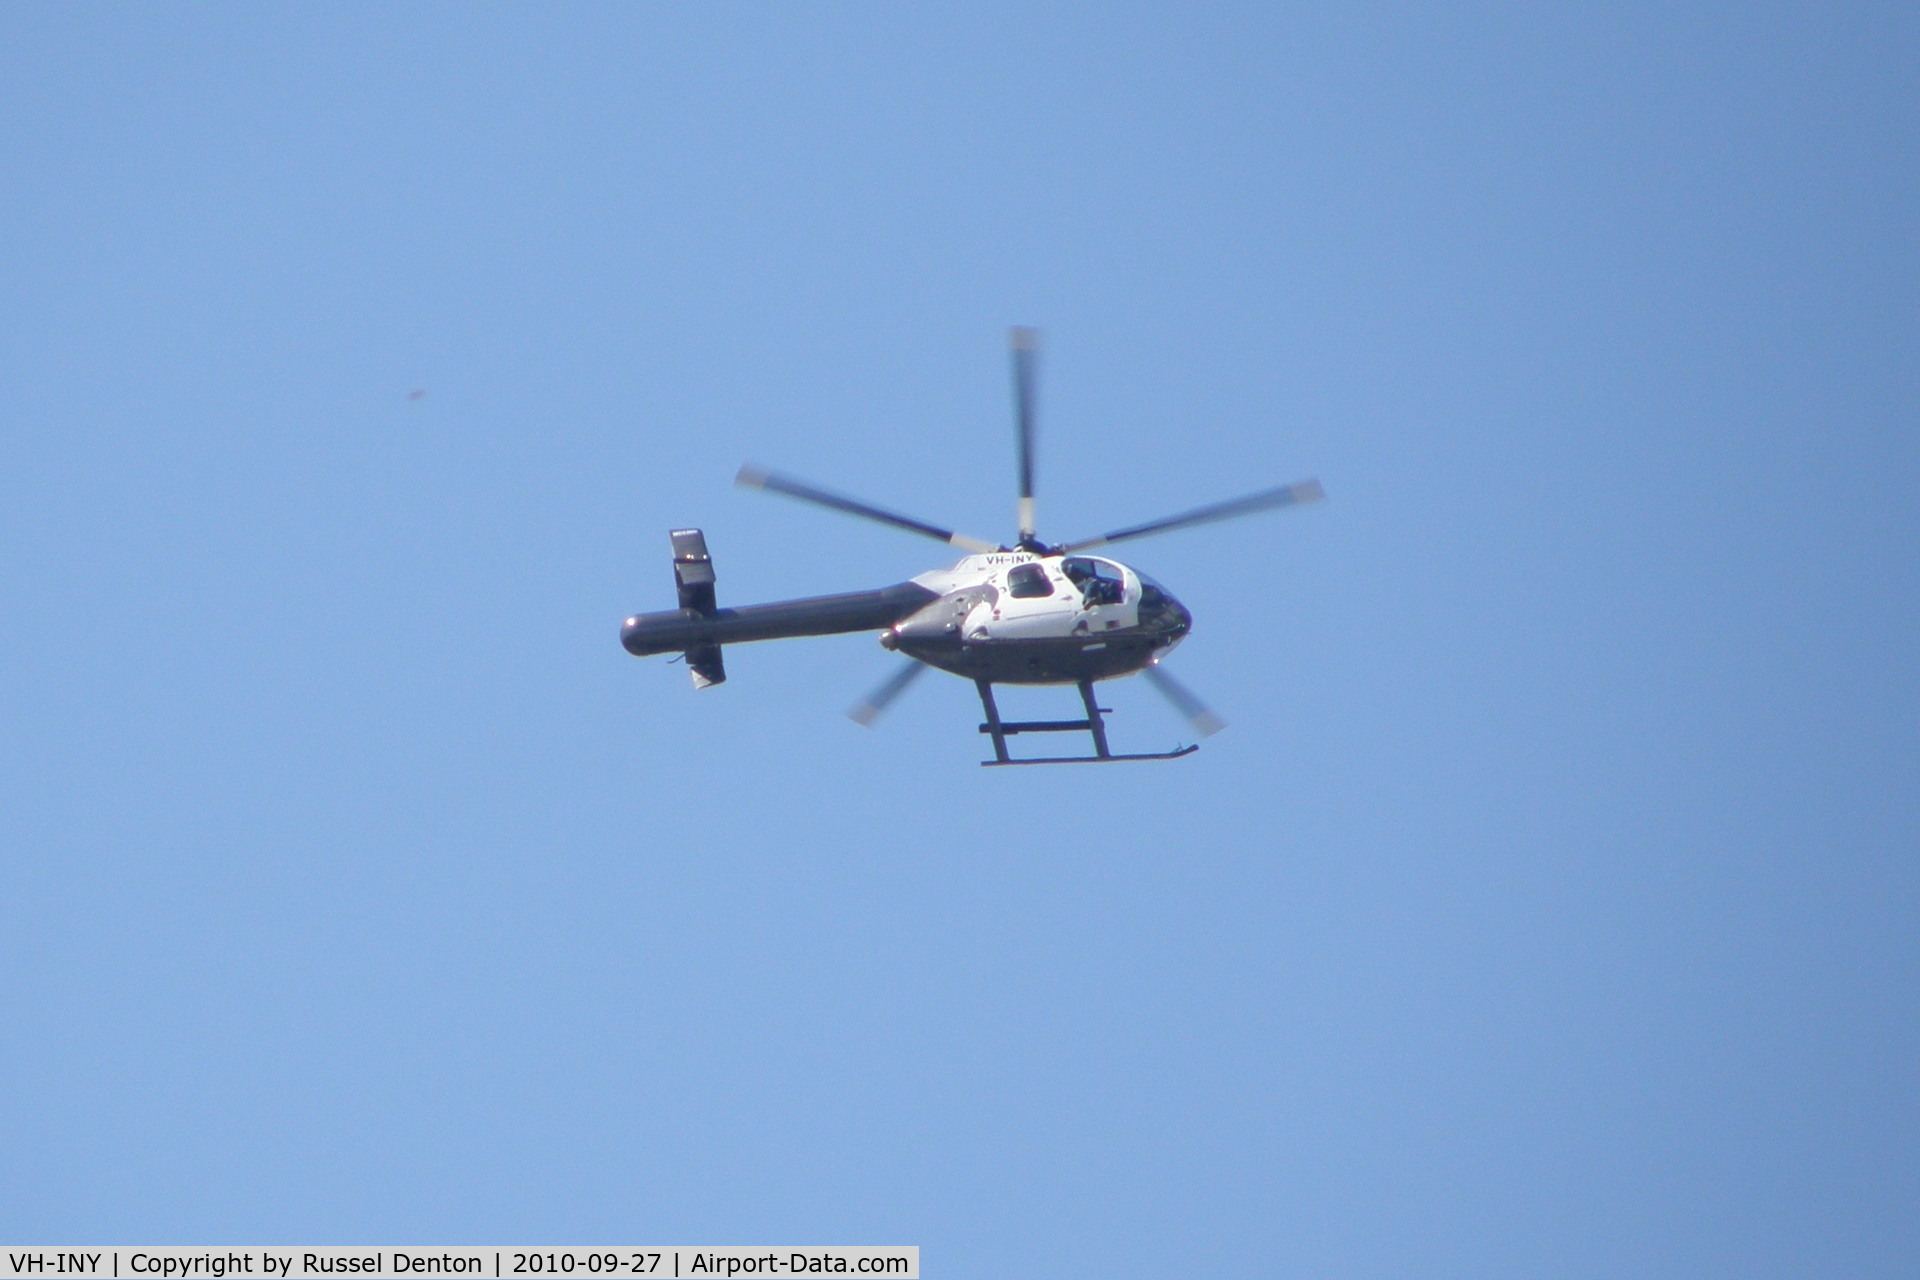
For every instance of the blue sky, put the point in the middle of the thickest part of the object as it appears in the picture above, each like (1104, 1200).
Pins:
(1548, 907)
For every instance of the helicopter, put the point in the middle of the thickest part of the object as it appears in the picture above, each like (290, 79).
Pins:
(1033, 613)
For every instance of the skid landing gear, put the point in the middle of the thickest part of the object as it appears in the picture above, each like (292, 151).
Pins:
(1000, 730)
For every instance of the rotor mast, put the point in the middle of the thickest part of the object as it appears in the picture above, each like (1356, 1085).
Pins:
(1025, 344)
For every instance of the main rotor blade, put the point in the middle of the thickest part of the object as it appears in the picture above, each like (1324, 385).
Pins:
(753, 477)
(868, 709)
(1204, 722)
(1026, 358)
(1287, 495)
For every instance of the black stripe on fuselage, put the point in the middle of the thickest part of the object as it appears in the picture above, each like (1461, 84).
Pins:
(1041, 660)
(679, 629)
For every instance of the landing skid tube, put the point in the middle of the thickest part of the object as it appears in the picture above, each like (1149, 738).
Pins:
(1001, 730)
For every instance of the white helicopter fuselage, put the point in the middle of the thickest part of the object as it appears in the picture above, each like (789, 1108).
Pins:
(1062, 611)
(1020, 617)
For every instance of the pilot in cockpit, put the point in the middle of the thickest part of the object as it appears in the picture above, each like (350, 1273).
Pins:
(1098, 581)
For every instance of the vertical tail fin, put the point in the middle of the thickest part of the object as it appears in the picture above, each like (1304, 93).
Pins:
(693, 577)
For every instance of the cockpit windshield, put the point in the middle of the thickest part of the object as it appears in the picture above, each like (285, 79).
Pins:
(1159, 610)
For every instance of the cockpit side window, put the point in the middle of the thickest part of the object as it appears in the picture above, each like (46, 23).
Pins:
(1028, 582)
(1099, 581)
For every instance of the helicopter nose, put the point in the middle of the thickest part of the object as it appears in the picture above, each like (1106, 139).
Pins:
(1164, 616)
(1180, 621)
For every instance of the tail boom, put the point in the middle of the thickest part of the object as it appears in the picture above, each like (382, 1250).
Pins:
(679, 630)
